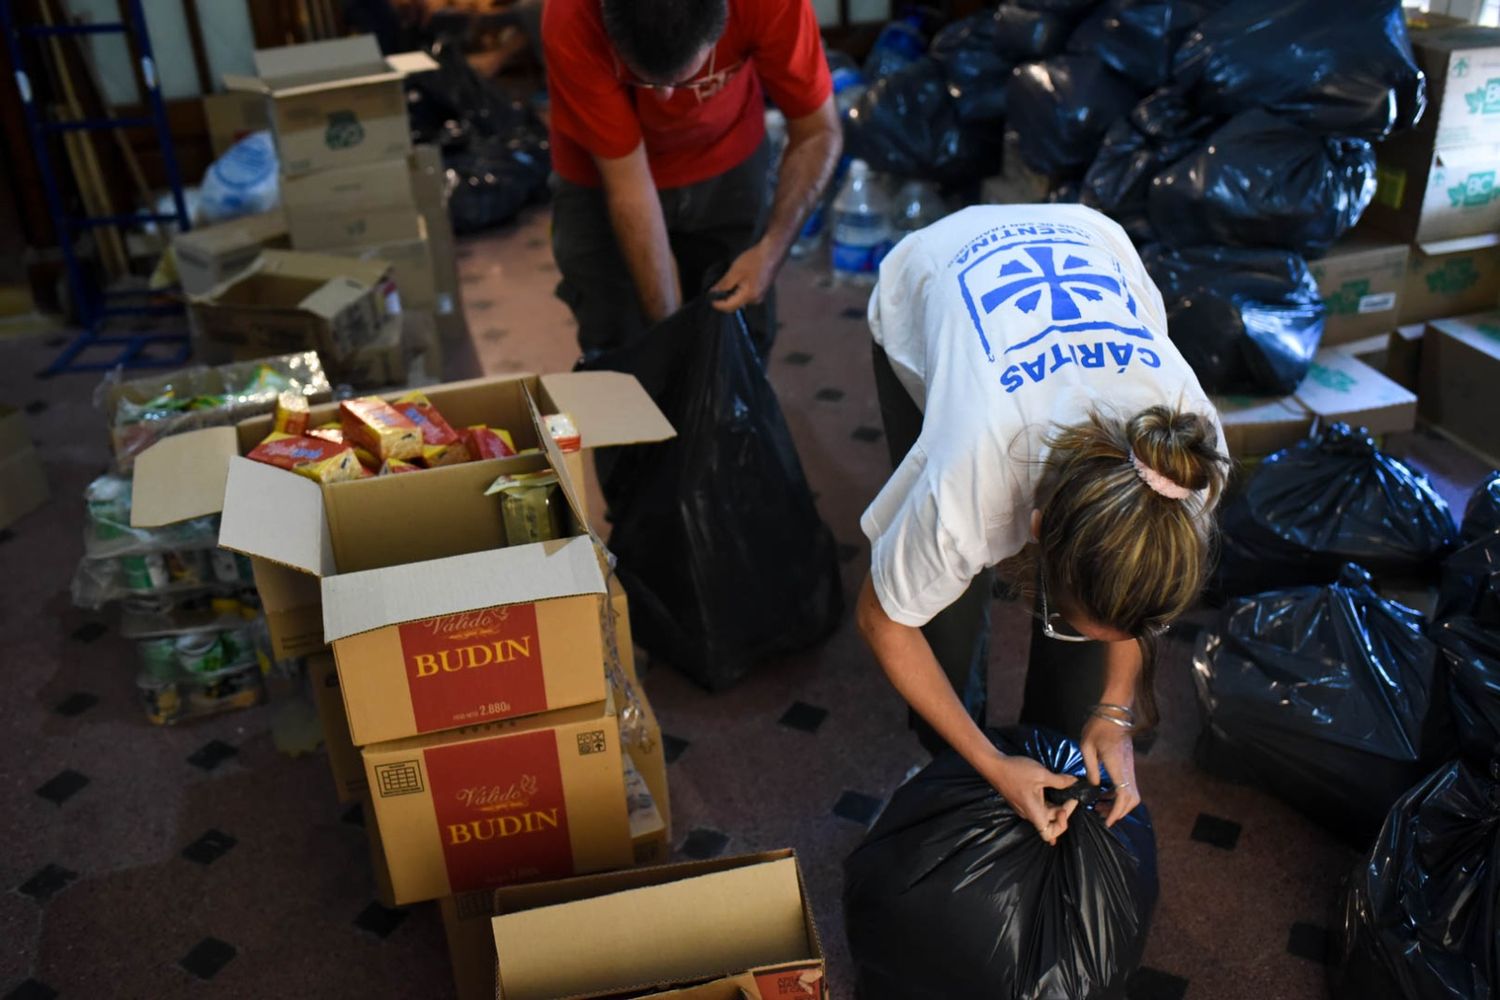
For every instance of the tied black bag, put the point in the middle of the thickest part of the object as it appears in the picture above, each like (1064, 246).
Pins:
(1325, 501)
(954, 894)
(1325, 696)
(1471, 576)
(1419, 913)
(719, 545)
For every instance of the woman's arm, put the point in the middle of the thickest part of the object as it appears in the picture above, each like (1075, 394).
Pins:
(907, 659)
(1108, 743)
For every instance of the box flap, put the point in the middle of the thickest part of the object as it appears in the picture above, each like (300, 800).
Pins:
(331, 60)
(360, 602)
(324, 266)
(1462, 245)
(407, 63)
(728, 921)
(334, 297)
(609, 408)
(1340, 386)
(182, 477)
(277, 515)
(244, 84)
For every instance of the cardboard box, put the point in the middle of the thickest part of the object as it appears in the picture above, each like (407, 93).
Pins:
(211, 255)
(233, 116)
(1462, 65)
(1453, 278)
(334, 103)
(430, 188)
(1427, 196)
(379, 867)
(710, 927)
(352, 206)
(1360, 280)
(1403, 359)
(411, 267)
(302, 535)
(289, 301)
(1460, 381)
(639, 729)
(1256, 425)
(23, 484)
(524, 800)
(343, 756)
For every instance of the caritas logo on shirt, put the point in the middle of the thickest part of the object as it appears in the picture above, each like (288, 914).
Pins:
(1043, 297)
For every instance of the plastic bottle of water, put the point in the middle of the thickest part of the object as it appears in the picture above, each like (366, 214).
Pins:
(861, 227)
(918, 205)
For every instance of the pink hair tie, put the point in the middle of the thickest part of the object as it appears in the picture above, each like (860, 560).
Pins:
(1158, 482)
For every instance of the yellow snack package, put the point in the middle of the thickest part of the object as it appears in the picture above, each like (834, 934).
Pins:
(379, 428)
(291, 413)
(340, 468)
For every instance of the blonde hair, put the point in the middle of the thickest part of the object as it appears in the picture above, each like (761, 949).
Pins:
(1127, 555)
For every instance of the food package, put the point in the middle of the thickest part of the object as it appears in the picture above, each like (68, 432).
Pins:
(436, 455)
(318, 459)
(379, 428)
(531, 505)
(328, 432)
(489, 442)
(564, 432)
(291, 413)
(417, 408)
(393, 466)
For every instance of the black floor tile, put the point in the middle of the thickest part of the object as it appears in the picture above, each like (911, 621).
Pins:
(210, 847)
(857, 807)
(211, 754)
(76, 704)
(797, 358)
(703, 843)
(208, 957)
(1308, 941)
(867, 434)
(1153, 984)
(673, 747)
(355, 815)
(379, 919)
(63, 786)
(47, 883)
(89, 631)
(828, 394)
(31, 989)
(803, 716)
(1217, 831)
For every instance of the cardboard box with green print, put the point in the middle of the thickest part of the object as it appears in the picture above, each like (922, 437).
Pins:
(1452, 278)
(1459, 385)
(1360, 280)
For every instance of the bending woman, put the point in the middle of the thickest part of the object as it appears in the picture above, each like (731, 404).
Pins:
(1040, 421)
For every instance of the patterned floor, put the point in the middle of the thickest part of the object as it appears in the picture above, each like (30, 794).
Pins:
(200, 861)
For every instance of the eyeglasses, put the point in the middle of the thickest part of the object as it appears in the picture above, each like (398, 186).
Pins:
(1051, 619)
(703, 84)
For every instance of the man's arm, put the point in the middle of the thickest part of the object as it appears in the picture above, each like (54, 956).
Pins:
(813, 144)
(641, 232)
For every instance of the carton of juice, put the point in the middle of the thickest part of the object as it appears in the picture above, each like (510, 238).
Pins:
(379, 428)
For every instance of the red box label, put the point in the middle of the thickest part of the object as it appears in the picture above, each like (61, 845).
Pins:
(475, 667)
(806, 982)
(500, 810)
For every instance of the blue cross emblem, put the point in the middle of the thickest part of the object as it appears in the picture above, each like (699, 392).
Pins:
(1063, 285)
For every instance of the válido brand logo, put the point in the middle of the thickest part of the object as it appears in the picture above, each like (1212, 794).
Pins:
(511, 811)
(467, 625)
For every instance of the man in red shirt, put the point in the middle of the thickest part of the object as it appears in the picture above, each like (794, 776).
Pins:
(660, 157)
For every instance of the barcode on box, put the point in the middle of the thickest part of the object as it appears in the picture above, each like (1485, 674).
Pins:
(593, 742)
(1377, 303)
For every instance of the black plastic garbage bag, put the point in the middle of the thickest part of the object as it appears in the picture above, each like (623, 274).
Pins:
(1471, 654)
(1418, 918)
(907, 125)
(1327, 500)
(1261, 181)
(1119, 180)
(1061, 108)
(1067, 8)
(1023, 35)
(953, 894)
(1245, 320)
(1471, 576)
(493, 178)
(720, 547)
(1323, 695)
(975, 71)
(1338, 69)
(1137, 38)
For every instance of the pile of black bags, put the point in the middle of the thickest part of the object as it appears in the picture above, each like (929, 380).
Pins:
(1468, 624)
(953, 893)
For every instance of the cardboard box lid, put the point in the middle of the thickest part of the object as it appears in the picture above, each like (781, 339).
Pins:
(1464, 244)
(1342, 387)
(208, 242)
(1481, 331)
(182, 477)
(691, 928)
(276, 515)
(372, 599)
(291, 70)
(609, 408)
(339, 279)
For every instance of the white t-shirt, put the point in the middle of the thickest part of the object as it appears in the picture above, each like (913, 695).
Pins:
(1004, 322)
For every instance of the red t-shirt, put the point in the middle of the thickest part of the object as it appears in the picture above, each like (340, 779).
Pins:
(700, 132)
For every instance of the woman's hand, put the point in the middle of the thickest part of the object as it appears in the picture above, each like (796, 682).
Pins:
(1104, 742)
(1022, 782)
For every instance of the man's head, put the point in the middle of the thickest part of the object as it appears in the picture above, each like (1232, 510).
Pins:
(664, 41)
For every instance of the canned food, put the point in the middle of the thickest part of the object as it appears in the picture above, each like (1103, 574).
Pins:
(109, 507)
(147, 572)
(200, 652)
(163, 702)
(158, 657)
(187, 567)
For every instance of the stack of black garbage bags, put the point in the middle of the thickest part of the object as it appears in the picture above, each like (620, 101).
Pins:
(1231, 138)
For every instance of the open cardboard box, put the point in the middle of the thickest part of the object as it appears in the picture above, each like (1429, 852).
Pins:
(352, 206)
(334, 103)
(1459, 381)
(391, 550)
(703, 930)
(210, 255)
(506, 802)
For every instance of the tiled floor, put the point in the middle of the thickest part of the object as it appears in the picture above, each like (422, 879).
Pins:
(199, 861)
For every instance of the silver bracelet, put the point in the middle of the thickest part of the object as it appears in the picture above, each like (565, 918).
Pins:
(1098, 713)
(1124, 710)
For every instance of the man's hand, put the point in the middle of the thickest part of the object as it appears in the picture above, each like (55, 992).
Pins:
(1023, 782)
(748, 279)
(1104, 742)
